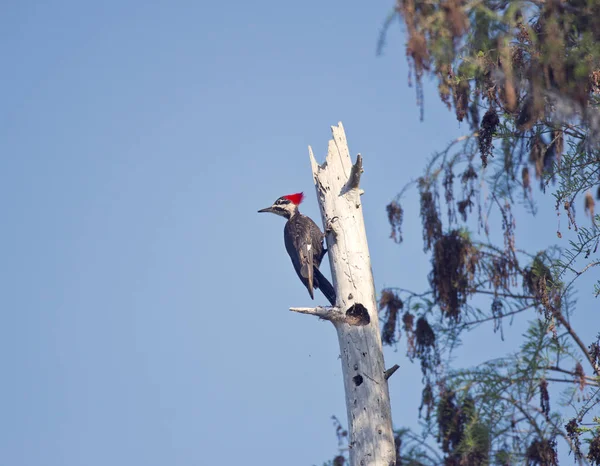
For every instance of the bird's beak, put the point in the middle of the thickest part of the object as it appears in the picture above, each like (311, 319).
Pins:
(268, 209)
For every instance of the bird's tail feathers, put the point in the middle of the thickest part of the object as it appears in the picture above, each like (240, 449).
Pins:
(323, 284)
(305, 272)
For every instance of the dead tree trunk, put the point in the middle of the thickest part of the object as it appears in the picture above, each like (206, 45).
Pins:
(355, 316)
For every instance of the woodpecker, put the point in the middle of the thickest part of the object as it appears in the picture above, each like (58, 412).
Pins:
(304, 244)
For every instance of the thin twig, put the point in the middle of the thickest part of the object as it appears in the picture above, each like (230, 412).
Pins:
(575, 337)
(333, 314)
(480, 321)
(564, 371)
(387, 374)
(505, 295)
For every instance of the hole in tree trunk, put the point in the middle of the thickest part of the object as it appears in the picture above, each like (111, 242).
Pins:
(357, 314)
(358, 379)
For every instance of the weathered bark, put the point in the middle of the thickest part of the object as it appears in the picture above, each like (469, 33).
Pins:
(355, 316)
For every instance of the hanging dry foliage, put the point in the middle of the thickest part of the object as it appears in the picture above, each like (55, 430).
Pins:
(496, 308)
(425, 337)
(486, 134)
(408, 321)
(398, 448)
(536, 278)
(427, 401)
(445, 83)
(572, 428)
(454, 263)
(544, 399)
(453, 419)
(518, 62)
(392, 304)
(460, 94)
(449, 193)
(416, 48)
(594, 451)
(463, 206)
(499, 273)
(589, 204)
(467, 180)
(508, 94)
(395, 215)
(531, 110)
(432, 225)
(537, 155)
(542, 452)
(425, 348)
(449, 425)
(580, 376)
(456, 19)
(468, 177)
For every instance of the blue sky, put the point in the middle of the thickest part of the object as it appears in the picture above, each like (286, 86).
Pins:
(144, 300)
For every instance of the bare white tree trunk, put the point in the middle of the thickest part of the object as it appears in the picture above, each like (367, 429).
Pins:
(355, 316)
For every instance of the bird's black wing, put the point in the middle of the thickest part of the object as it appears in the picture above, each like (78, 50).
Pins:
(317, 241)
(299, 246)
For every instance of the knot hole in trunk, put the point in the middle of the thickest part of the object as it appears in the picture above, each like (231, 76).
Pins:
(357, 314)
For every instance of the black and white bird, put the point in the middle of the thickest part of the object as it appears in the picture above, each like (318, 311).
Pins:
(304, 244)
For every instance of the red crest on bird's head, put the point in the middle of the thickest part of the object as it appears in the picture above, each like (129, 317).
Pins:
(295, 198)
